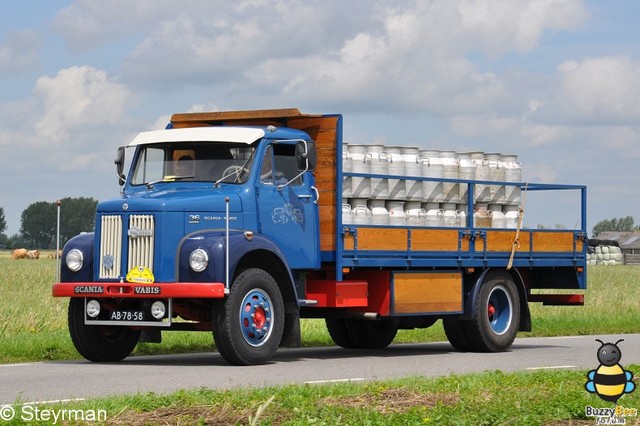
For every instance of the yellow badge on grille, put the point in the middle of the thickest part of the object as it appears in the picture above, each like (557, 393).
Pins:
(140, 275)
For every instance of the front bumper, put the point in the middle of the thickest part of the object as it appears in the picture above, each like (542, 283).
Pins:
(140, 291)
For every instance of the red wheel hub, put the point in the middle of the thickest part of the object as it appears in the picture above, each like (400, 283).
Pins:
(491, 310)
(260, 317)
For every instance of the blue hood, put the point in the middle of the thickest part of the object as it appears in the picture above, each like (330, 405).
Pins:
(175, 199)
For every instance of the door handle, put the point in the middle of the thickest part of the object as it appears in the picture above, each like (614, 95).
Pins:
(317, 194)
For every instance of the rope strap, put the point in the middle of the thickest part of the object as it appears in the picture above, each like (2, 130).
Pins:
(516, 238)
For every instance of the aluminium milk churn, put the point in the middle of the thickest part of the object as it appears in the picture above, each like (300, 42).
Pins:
(397, 186)
(431, 167)
(413, 167)
(379, 166)
(360, 163)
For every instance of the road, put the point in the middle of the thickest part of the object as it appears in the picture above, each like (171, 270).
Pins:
(62, 380)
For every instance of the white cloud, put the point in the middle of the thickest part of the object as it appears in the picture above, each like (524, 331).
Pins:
(19, 52)
(78, 96)
(600, 90)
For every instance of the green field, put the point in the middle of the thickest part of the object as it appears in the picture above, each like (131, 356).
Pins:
(33, 328)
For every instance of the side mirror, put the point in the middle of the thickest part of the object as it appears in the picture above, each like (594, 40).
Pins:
(120, 165)
(306, 156)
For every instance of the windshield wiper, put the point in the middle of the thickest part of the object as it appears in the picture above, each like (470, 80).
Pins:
(167, 179)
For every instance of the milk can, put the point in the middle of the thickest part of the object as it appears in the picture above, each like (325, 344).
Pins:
(346, 168)
(498, 219)
(513, 173)
(416, 215)
(396, 213)
(413, 167)
(361, 215)
(397, 187)
(379, 212)
(451, 190)
(481, 193)
(511, 216)
(467, 170)
(462, 215)
(496, 173)
(434, 215)
(450, 214)
(431, 167)
(346, 214)
(379, 166)
(360, 163)
(481, 217)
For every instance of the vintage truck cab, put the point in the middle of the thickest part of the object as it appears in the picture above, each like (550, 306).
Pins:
(198, 207)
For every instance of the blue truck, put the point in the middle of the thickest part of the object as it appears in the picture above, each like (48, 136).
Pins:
(231, 223)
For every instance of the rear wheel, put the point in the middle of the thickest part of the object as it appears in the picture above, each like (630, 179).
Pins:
(372, 334)
(497, 318)
(96, 342)
(454, 328)
(337, 328)
(248, 324)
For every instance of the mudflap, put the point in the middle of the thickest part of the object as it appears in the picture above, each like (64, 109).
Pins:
(291, 336)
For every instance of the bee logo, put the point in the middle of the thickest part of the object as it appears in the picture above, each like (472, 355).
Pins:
(610, 381)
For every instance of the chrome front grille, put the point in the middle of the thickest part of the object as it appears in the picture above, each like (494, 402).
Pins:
(139, 239)
(110, 246)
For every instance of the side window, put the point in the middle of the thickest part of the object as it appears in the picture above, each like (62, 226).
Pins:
(279, 165)
(266, 170)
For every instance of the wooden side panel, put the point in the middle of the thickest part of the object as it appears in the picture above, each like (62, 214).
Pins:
(503, 241)
(436, 240)
(427, 292)
(542, 241)
(382, 239)
(554, 242)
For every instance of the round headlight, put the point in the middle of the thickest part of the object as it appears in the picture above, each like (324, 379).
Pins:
(74, 260)
(198, 260)
(158, 310)
(93, 308)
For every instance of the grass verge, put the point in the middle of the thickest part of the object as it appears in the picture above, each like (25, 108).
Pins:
(490, 398)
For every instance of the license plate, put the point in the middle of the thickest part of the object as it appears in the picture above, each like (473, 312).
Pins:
(126, 316)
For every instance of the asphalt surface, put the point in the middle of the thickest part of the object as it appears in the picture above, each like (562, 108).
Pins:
(69, 380)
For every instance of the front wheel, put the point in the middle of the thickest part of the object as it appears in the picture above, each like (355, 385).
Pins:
(248, 324)
(99, 343)
(497, 314)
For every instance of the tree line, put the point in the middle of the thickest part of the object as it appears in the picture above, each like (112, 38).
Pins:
(38, 223)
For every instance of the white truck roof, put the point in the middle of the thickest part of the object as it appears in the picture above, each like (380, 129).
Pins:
(246, 135)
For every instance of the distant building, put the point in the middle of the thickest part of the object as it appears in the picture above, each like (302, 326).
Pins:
(629, 243)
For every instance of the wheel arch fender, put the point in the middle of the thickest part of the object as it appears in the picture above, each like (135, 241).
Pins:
(471, 294)
(85, 243)
(243, 248)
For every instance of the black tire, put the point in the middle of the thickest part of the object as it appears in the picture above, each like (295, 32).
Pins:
(248, 324)
(497, 318)
(337, 328)
(456, 333)
(99, 343)
(368, 334)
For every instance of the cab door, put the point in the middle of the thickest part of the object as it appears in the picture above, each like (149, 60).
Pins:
(287, 209)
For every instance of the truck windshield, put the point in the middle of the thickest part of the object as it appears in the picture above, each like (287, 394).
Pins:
(192, 161)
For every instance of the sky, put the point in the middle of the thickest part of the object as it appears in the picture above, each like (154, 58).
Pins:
(556, 82)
